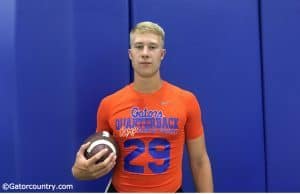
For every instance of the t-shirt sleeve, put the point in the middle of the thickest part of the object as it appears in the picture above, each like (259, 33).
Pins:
(103, 117)
(193, 126)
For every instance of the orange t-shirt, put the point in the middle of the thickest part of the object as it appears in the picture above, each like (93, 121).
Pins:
(150, 130)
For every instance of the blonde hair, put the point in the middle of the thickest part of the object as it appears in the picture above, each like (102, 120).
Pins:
(148, 27)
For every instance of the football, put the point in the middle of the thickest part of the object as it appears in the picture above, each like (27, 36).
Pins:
(99, 141)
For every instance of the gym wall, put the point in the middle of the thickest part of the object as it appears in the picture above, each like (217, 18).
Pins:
(59, 58)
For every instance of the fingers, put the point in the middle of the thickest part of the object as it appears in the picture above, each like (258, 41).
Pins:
(97, 156)
(87, 169)
(103, 171)
(110, 160)
(82, 149)
(106, 166)
(102, 168)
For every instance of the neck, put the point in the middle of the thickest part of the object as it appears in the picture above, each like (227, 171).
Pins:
(147, 85)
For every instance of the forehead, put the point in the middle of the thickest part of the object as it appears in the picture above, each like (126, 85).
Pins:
(146, 38)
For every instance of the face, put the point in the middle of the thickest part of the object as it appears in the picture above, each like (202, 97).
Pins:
(146, 54)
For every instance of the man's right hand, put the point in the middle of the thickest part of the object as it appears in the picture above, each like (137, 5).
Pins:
(87, 169)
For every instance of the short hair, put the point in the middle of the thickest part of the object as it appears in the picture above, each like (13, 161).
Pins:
(148, 27)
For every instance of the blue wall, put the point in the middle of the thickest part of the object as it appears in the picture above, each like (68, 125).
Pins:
(8, 121)
(59, 58)
(281, 49)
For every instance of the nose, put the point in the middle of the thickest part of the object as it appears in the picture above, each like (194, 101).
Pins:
(145, 52)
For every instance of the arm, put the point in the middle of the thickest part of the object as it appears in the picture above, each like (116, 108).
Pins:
(84, 169)
(200, 164)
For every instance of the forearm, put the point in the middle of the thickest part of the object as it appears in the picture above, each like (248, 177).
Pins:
(202, 174)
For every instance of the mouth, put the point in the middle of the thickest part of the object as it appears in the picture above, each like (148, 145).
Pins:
(145, 63)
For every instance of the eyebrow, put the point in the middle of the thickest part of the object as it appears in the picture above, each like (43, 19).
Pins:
(151, 43)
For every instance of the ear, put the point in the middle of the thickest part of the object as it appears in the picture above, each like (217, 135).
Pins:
(129, 54)
(163, 53)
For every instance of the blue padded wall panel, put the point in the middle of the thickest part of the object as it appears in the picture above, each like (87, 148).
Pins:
(7, 92)
(281, 48)
(102, 64)
(213, 50)
(69, 54)
(46, 92)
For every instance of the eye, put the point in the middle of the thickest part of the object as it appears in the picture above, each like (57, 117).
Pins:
(139, 47)
(152, 47)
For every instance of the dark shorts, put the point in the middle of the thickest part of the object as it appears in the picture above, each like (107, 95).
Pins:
(112, 189)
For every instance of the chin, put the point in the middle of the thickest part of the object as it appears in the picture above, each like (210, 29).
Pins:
(147, 74)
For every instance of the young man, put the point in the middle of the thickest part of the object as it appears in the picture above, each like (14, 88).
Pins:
(151, 120)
